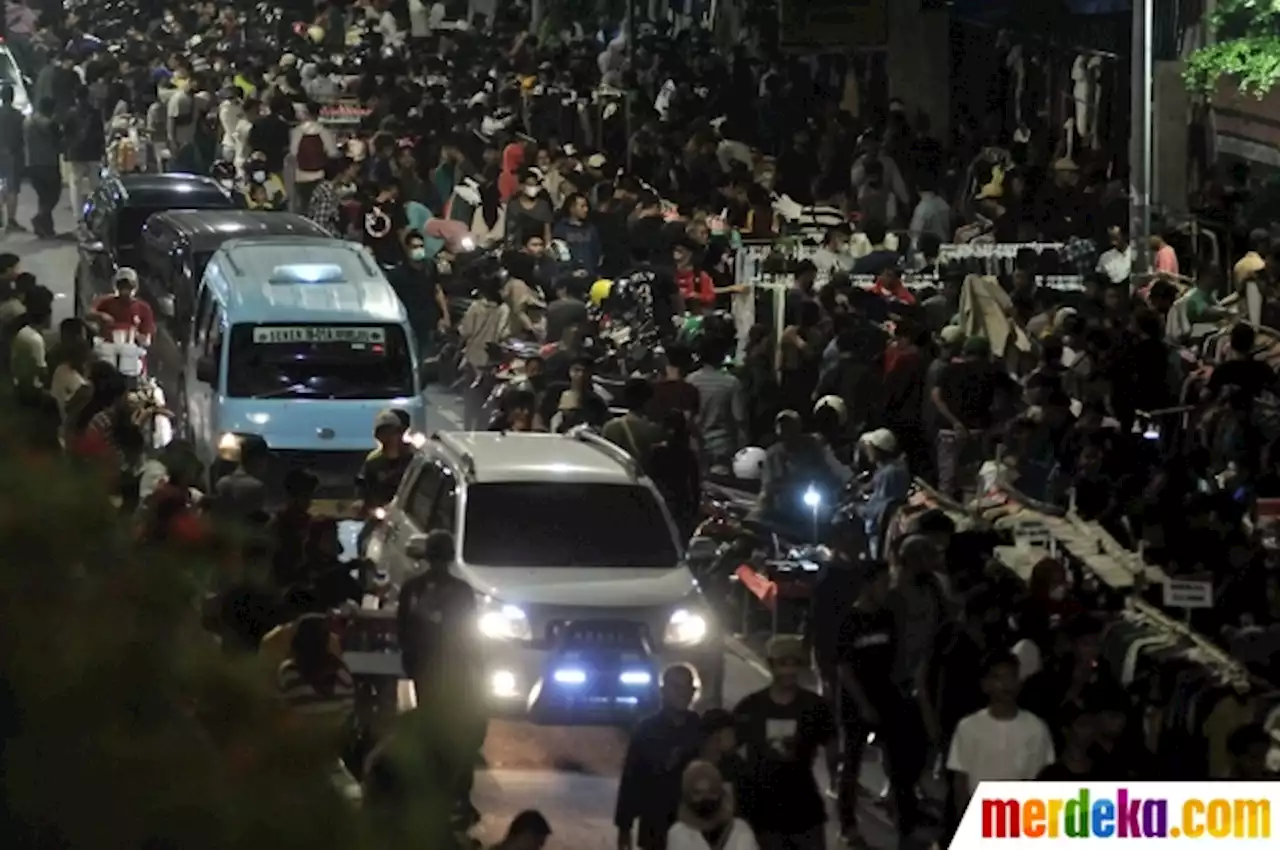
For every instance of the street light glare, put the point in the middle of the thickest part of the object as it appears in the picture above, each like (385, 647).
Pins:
(812, 498)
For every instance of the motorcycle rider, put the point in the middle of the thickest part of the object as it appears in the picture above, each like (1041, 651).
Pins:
(890, 483)
(797, 463)
(435, 616)
(123, 310)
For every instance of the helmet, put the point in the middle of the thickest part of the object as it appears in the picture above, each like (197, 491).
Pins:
(835, 404)
(560, 251)
(600, 291)
(223, 170)
(748, 463)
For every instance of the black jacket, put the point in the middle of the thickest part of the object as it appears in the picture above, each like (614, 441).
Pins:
(86, 138)
(649, 788)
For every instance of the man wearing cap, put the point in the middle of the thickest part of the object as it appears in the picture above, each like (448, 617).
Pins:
(890, 482)
(782, 728)
(380, 475)
(965, 398)
(124, 311)
(436, 626)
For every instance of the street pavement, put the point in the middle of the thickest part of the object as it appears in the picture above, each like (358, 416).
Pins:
(569, 773)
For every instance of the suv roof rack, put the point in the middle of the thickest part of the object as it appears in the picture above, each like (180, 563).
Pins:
(584, 434)
(463, 457)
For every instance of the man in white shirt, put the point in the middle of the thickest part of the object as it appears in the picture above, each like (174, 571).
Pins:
(932, 214)
(1117, 263)
(1001, 743)
(834, 254)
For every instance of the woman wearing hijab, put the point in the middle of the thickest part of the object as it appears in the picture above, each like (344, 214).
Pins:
(512, 163)
(488, 225)
(706, 820)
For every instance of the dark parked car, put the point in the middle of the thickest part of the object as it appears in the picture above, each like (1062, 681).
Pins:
(115, 215)
(176, 245)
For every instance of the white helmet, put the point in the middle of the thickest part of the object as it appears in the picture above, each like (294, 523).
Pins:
(748, 464)
(559, 251)
(836, 405)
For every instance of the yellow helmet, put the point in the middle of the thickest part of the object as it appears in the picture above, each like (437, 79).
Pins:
(600, 291)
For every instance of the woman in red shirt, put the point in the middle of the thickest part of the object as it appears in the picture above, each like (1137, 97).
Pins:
(693, 283)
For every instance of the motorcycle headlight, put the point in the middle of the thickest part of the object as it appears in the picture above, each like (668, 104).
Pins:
(505, 622)
(686, 628)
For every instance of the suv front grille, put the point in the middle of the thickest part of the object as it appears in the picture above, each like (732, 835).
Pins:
(598, 634)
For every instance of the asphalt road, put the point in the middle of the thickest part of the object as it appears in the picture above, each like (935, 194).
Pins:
(569, 773)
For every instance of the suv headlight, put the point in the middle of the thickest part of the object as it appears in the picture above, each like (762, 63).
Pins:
(505, 622)
(686, 628)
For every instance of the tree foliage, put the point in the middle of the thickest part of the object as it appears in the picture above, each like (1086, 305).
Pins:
(1246, 47)
(122, 725)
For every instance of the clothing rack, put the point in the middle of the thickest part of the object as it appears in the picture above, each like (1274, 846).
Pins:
(1233, 671)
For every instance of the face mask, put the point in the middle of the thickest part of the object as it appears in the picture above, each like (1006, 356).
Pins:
(531, 191)
(259, 176)
(1058, 593)
(705, 808)
(346, 190)
(418, 254)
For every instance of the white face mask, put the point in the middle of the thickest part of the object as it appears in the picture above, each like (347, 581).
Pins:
(259, 177)
(531, 191)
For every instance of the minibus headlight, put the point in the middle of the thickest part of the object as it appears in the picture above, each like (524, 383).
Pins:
(229, 447)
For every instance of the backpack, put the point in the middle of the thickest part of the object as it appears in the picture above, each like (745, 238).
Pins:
(312, 155)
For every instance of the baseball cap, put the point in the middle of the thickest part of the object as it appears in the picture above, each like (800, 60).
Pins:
(387, 419)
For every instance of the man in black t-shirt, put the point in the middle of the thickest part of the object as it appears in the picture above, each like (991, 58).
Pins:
(781, 729)
(965, 398)
(1241, 369)
(384, 224)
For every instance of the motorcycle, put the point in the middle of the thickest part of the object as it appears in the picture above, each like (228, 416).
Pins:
(125, 351)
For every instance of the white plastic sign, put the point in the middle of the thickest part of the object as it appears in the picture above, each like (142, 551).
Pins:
(1030, 533)
(319, 334)
(1179, 593)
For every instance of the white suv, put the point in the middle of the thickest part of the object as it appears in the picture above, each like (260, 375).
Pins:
(585, 598)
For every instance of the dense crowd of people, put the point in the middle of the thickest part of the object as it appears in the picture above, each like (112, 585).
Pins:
(509, 192)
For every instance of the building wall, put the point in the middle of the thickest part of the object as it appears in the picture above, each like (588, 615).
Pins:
(919, 61)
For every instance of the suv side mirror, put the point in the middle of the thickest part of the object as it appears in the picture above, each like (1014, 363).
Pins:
(207, 370)
(416, 548)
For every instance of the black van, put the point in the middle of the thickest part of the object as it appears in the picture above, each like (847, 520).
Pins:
(176, 246)
(114, 216)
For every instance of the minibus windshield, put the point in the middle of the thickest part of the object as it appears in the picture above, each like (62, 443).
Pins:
(319, 361)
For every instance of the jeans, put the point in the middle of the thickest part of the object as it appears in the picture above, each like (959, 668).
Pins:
(47, 182)
(814, 838)
(82, 181)
(957, 455)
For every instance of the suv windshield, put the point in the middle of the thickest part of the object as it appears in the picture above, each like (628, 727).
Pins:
(319, 361)
(546, 524)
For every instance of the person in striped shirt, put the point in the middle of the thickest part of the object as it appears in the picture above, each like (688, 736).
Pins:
(314, 681)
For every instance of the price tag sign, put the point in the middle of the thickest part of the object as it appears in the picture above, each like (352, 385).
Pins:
(1032, 534)
(1179, 593)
